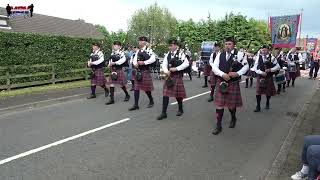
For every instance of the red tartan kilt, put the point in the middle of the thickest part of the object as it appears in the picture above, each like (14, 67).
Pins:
(292, 75)
(121, 80)
(100, 78)
(269, 91)
(146, 84)
(287, 76)
(232, 98)
(212, 79)
(177, 90)
(207, 70)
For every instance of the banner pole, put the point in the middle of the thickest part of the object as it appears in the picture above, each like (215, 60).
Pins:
(300, 26)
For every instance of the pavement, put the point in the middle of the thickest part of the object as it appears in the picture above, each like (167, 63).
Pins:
(84, 139)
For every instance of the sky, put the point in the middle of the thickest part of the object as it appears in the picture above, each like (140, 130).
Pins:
(115, 14)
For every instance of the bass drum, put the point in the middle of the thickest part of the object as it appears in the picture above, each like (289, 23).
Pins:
(207, 49)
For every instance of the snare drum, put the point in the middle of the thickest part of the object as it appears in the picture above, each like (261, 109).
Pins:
(292, 68)
(281, 77)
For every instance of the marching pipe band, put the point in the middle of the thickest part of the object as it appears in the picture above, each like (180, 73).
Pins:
(227, 65)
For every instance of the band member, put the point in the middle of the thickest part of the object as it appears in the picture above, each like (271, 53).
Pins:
(133, 73)
(228, 69)
(279, 56)
(250, 74)
(189, 69)
(314, 65)
(293, 58)
(143, 80)
(213, 56)
(173, 65)
(206, 72)
(97, 63)
(117, 77)
(266, 65)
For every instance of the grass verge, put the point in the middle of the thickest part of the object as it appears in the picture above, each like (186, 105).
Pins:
(41, 89)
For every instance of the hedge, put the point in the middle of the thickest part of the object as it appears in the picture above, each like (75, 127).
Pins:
(66, 53)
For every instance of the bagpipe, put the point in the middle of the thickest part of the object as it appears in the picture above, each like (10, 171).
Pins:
(172, 62)
(267, 65)
(235, 66)
(115, 56)
(142, 56)
(93, 57)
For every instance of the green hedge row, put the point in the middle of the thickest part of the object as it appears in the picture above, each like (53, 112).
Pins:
(27, 49)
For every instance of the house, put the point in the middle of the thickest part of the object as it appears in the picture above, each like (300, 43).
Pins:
(48, 25)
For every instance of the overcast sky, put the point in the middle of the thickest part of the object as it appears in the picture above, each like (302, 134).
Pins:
(114, 14)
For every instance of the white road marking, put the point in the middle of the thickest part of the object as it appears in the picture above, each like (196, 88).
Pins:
(4, 161)
(191, 97)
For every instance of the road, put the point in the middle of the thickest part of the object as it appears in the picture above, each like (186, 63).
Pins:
(136, 146)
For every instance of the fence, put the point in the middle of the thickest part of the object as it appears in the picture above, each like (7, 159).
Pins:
(9, 75)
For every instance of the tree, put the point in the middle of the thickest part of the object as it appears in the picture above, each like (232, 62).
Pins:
(155, 22)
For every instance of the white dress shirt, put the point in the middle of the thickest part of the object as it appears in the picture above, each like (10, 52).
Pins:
(151, 60)
(182, 57)
(273, 60)
(101, 58)
(122, 57)
(218, 72)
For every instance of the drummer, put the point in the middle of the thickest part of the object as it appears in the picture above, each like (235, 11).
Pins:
(278, 54)
(250, 74)
(293, 59)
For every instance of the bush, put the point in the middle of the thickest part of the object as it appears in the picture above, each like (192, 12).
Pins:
(28, 49)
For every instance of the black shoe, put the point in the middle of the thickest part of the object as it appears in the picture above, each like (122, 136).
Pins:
(150, 105)
(217, 131)
(111, 101)
(179, 113)
(204, 86)
(258, 109)
(127, 98)
(233, 123)
(210, 99)
(267, 107)
(283, 90)
(246, 86)
(278, 92)
(133, 108)
(91, 96)
(162, 116)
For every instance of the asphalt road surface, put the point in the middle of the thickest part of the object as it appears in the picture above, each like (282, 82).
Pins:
(84, 139)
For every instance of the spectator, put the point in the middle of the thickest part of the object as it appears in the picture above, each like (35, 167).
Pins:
(310, 159)
(315, 60)
(31, 9)
(8, 8)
